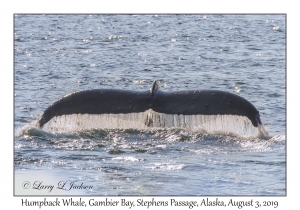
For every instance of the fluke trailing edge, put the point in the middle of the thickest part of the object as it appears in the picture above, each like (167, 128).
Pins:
(190, 102)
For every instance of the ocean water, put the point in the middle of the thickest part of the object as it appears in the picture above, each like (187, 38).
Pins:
(55, 55)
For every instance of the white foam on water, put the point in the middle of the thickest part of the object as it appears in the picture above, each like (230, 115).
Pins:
(212, 124)
(167, 166)
(126, 158)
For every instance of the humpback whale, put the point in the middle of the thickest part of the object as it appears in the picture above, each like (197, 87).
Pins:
(176, 103)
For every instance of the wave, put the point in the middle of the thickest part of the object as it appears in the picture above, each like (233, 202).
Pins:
(158, 137)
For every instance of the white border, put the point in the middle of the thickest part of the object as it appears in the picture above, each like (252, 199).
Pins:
(8, 8)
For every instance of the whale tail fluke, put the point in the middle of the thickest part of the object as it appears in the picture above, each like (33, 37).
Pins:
(155, 87)
(125, 108)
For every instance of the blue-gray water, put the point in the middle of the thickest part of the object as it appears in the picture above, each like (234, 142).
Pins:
(59, 54)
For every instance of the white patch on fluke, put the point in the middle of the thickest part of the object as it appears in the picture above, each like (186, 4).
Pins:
(213, 124)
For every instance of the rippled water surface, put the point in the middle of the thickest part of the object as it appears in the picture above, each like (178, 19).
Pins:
(59, 54)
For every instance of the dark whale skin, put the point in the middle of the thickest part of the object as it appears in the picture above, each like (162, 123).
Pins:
(190, 102)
